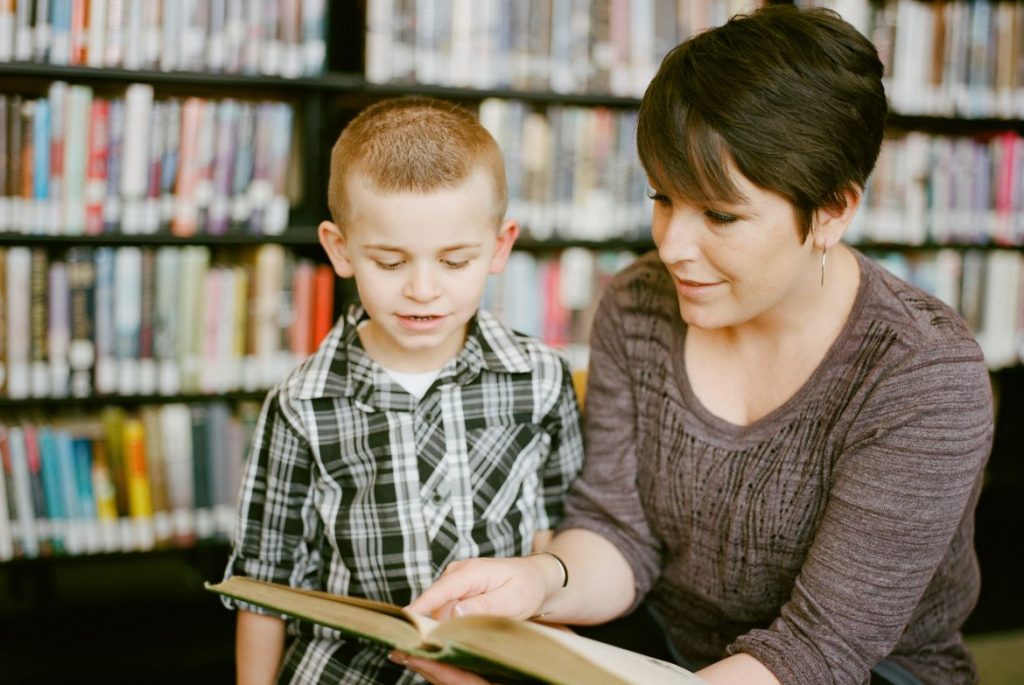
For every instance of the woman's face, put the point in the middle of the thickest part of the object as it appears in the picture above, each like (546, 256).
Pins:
(734, 264)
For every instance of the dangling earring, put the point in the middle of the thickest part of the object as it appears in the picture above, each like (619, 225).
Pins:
(823, 253)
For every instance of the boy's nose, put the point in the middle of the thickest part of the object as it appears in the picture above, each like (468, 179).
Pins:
(422, 285)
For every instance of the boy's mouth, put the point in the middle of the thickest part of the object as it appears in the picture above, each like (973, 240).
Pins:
(421, 322)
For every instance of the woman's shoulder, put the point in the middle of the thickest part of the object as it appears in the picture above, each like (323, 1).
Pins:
(922, 324)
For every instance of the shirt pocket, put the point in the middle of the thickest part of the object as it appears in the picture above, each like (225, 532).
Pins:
(504, 463)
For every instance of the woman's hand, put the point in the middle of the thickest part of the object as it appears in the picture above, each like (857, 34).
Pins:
(507, 587)
(436, 673)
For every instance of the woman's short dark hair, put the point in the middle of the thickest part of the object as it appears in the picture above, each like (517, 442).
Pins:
(793, 97)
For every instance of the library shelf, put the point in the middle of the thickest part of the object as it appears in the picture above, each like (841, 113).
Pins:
(98, 401)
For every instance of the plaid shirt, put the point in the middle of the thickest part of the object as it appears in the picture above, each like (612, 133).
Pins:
(355, 487)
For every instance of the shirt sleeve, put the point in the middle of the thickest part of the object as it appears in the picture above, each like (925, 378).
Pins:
(277, 525)
(906, 482)
(605, 499)
(562, 465)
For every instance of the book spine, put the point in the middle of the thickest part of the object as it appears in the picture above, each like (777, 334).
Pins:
(53, 489)
(43, 32)
(313, 43)
(38, 296)
(96, 174)
(134, 175)
(75, 159)
(140, 503)
(151, 202)
(127, 317)
(81, 348)
(112, 208)
(166, 340)
(81, 448)
(59, 333)
(176, 422)
(25, 531)
(95, 49)
(106, 370)
(60, 40)
(18, 290)
(323, 304)
(23, 34)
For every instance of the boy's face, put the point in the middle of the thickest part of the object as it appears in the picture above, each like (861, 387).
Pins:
(420, 263)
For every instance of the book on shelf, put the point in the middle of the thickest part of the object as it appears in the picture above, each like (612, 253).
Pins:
(131, 34)
(76, 163)
(164, 475)
(515, 651)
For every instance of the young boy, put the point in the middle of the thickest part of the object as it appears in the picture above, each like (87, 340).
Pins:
(421, 431)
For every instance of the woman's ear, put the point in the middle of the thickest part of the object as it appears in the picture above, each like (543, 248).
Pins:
(507, 234)
(336, 247)
(831, 224)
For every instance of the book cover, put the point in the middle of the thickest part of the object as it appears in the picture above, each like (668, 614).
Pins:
(496, 646)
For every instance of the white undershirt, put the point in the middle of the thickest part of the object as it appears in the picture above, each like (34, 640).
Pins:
(416, 384)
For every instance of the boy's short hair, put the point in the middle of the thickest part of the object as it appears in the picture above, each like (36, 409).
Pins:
(792, 97)
(414, 144)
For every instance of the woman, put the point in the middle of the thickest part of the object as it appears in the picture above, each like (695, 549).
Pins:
(784, 442)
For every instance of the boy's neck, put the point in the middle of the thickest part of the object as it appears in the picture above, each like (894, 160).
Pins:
(389, 355)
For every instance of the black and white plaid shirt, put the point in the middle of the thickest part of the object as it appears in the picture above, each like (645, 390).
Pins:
(355, 487)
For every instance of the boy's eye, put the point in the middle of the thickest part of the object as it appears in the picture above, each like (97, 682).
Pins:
(718, 218)
(388, 266)
(455, 264)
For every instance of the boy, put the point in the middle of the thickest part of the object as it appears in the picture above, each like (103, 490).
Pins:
(421, 431)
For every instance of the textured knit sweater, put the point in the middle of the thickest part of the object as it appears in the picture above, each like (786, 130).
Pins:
(832, 533)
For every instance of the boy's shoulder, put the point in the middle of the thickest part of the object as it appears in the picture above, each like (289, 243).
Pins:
(324, 372)
(512, 350)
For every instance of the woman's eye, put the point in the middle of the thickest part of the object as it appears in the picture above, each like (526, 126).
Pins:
(452, 264)
(718, 218)
(389, 266)
(659, 198)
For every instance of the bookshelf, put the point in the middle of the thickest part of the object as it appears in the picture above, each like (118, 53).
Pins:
(372, 50)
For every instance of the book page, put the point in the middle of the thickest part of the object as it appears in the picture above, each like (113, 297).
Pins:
(631, 666)
(555, 655)
(376, 621)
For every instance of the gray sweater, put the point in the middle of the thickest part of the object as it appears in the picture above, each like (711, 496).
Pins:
(832, 533)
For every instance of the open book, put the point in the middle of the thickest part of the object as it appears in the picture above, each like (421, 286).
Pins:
(495, 646)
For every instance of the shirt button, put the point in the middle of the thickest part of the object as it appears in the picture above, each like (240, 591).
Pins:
(437, 497)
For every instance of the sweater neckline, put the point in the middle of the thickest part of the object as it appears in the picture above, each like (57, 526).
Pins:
(769, 422)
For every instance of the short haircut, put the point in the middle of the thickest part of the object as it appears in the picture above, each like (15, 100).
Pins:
(793, 97)
(414, 144)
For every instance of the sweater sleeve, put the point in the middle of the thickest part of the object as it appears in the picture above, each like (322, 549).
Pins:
(605, 499)
(905, 483)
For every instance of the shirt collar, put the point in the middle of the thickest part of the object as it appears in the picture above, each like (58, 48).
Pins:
(349, 372)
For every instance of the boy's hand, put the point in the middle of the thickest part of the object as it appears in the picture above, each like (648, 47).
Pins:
(507, 587)
(437, 673)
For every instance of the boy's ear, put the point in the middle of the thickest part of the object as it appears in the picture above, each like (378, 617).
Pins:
(336, 247)
(830, 225)
(507, 234)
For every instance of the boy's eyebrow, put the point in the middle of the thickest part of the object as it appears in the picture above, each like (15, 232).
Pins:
(384, 247)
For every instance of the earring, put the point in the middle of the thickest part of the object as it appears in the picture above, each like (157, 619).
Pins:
(823, 253)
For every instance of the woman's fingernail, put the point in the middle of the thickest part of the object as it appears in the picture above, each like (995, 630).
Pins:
(457, 610)
(398, 658)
